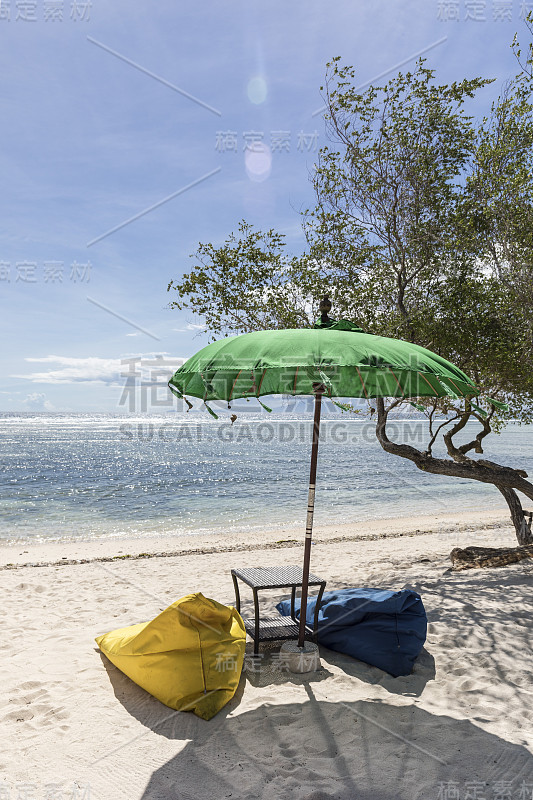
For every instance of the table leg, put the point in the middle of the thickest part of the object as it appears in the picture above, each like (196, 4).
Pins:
(317, 610)
(237, 593)
(293, 598)
(256, 612)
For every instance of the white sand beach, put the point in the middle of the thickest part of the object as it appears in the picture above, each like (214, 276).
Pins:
(462, 721)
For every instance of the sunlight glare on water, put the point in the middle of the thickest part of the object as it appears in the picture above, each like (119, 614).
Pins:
(70, 476)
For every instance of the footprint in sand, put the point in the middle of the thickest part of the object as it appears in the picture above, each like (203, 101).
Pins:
(469, 686)
(459, 671)
(523, 679)
(19, 715)
(32, 701)
(29, 696)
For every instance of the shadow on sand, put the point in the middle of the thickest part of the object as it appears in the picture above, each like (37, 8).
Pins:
(320, 749)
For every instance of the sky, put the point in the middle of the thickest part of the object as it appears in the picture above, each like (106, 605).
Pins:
(133, 131)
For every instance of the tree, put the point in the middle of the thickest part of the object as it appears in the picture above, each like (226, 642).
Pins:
(247, 284)
(418, 233)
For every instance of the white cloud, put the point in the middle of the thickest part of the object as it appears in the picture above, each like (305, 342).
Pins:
(37, 402)
(109, 371)
(191, 326)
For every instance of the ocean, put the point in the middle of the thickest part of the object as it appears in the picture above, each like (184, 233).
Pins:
(70, 476)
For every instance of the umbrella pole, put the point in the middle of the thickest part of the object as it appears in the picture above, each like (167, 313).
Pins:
(319, 390)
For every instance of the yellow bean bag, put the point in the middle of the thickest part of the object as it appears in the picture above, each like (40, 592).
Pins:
(190, 657)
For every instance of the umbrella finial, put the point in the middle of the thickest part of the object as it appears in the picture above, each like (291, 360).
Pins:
(325, 308)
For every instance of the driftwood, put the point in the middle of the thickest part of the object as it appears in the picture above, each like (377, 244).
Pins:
(472, 557)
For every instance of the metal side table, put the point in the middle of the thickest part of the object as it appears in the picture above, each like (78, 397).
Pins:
(270, 629)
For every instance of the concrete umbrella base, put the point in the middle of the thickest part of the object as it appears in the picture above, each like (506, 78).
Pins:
(300, 659)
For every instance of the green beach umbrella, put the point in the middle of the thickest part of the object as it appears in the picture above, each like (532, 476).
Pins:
(334, 359)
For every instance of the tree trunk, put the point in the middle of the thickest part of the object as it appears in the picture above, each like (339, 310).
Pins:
(522, 527)
(503, 478)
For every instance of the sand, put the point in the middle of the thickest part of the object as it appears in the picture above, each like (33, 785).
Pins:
(462, 722)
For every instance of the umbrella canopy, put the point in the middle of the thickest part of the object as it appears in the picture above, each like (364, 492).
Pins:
(336, 359)
(349, 362)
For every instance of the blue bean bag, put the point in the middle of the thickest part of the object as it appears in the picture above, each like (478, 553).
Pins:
(384, 628)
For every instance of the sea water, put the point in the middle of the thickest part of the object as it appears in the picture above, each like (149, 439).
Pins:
(66, 476)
